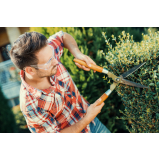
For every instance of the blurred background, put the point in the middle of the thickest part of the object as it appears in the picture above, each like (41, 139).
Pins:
(11, 118)
(90, 41)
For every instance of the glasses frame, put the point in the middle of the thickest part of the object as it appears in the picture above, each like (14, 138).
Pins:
(43, 65)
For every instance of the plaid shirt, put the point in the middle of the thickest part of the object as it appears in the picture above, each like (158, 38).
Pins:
(59, 106)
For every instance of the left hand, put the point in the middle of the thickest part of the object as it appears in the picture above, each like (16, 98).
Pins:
(85, 58)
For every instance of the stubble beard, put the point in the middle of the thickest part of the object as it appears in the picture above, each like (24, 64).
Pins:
(52, 72)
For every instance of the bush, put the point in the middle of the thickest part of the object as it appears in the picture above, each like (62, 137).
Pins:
(91, 85)
(7, 120)
(141, 113)
(20, 120)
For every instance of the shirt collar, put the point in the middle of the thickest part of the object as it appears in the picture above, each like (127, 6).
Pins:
(34, 91)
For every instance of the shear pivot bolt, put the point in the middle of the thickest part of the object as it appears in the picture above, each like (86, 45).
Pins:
(117, 79)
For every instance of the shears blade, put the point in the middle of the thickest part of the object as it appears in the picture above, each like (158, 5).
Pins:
(116, 79)
(130, 83)
(126, 74)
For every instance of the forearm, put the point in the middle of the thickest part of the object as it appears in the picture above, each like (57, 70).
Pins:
(77, 127)
(70, 43)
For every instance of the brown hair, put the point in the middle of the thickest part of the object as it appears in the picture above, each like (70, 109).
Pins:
(25, 47)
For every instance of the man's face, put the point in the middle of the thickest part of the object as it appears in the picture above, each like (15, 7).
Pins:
(44, 55)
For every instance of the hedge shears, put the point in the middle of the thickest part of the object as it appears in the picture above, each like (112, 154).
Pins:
(116, 79)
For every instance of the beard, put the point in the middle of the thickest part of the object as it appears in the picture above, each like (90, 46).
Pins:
(51, 72)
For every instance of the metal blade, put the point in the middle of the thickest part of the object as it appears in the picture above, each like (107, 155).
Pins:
(130, 83)
(126, 74)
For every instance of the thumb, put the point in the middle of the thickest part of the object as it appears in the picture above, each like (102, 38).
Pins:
(88, 63)
(97, 102)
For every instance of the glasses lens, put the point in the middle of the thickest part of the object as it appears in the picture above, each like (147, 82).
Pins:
(49, 64)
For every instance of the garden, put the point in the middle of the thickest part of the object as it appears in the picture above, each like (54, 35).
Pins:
(128, 109)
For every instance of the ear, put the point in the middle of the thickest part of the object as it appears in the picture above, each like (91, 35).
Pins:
(30, 70)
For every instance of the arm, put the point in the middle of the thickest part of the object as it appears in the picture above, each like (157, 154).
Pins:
(92, 112)
(77, 127)
(70, 43)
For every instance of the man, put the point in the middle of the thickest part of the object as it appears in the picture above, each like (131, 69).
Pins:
(49, 99)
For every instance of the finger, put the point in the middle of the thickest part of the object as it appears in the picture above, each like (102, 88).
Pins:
(100, 106)
(97, 101)
(85, 68)
(89, 61)
(78, 65)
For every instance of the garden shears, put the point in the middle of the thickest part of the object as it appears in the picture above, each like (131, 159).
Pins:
(116, 79)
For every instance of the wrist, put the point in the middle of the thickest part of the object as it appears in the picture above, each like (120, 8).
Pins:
(87, 118)
(77, 53)
(77, 127)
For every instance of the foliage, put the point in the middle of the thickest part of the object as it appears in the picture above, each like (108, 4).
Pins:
(7, 120)
(141, 113)
(20, 120)
(91, 85)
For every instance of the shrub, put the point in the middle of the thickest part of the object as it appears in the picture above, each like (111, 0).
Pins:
(20, 120)
(141, 113)
(91, 85)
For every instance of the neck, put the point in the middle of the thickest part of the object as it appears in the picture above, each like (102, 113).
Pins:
(39, 83)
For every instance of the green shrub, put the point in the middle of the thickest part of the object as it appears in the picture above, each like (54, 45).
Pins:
(20, 120)
(91, 85)
(141, 113)
(7, 120)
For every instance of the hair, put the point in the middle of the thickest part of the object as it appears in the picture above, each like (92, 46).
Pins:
(24, 49)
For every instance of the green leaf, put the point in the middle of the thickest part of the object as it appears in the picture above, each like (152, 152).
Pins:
(151, 84)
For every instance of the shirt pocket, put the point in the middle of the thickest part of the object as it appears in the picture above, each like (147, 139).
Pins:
(59, 101)
(49, 103)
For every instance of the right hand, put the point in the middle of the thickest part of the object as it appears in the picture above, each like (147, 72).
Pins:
(94, 109)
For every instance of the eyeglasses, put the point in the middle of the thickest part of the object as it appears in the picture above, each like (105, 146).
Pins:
(45, 66)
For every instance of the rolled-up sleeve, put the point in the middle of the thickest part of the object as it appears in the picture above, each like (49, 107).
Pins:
(56, 40)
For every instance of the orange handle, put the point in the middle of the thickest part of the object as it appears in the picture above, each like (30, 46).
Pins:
(94, 67)
(103, 98)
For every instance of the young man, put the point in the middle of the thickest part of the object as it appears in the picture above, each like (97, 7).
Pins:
(49, 99)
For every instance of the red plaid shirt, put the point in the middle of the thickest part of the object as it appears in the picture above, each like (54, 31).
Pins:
(59, 106)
